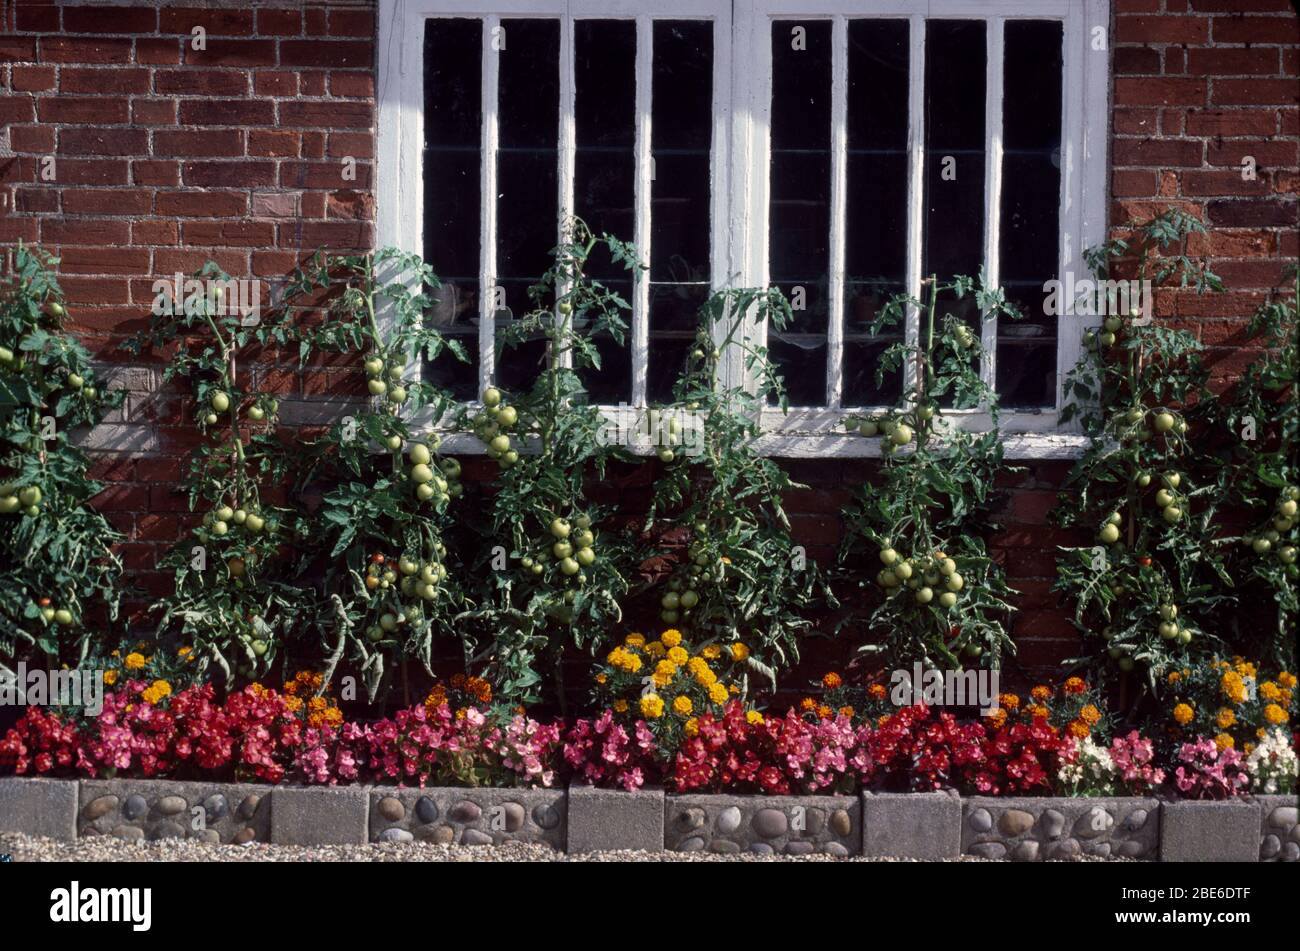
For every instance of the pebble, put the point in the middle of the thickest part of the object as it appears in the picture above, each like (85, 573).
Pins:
(798, 847)
(1015, 822)
(690, 818)
(815, 820)
(245, 835)
(988, 850)
(465, 811)
(1270, 847)
(1064, 849)
(249, 806)
(724, 846)
(426, 810)
(1026, 851)
(391, 808)
(439, 835)
(770, 823)
(515, 816)
(980, 820)
(396, 835)
(691, 844)
(129, 833)
(841, 822)
(171, 805)
(1136, 820)
(168, 830)
(1131, 848)
(100, 807)
(1052, 823)
(1291, 852)
(1093, 823)
(134, 807)
(1283, 817)
(215, 806)
(206, 835)
(837, 850)
(761, 848)
(475, 837)
(729, 820)
(546, 816)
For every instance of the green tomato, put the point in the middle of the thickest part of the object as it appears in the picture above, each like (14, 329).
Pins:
(421, 473)
(560, 528)
(419, 454)
(374, 366)
(219, 401)
(377, 387)
(586, 557)
(29, 496)
(491, 396)
(924, 595)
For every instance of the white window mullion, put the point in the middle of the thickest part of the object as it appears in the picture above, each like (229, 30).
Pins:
(488, 209)
(641, 287)
(915, 187)
(839, 162)
(567, 158)
(992, 190)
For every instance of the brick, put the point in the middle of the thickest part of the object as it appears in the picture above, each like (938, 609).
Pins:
(233, 53)
(103, 81)
(1156, 152)
(1267, 153)
(1146, 91)
(202, 204)
(1240, 6)
(1263, 30)
(312, 82)
(239, 112)
(35, 18)
(1252, 213)
(79, 260)
(221, 22)
(160, 172)
(90, 110)
(227, 233)
(16, 109)
(1231, 122)
(33, 139)
(90, 171)
(275, 144)
(1254, 92)
(1222, 183)
(103, 141)
(279, 22)
(62, 49)
(155, 231)
(329, 115)
(1162, 29)
(109, 20)
(95, 230)
(275, 84)
(352, 85)
(1134, 122)
(1233, 62)
(32, 78)
(209, 143)
(333, 53)
(1131, 59)
(99, 201)
(153, 111)
(351, 23)
(231, 174)
(159, 51)
(322, 175)
(206, 82)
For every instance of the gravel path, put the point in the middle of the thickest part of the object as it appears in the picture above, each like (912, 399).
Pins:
(25, 848)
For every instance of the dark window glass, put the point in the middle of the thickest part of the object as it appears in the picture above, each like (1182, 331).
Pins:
(453, 117)
(528, 104)
(681, 121)
(875, 239)
(605, 174)
(799, 216)
(1029, 216)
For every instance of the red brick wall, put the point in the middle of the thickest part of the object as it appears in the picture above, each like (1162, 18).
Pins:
(166, 156)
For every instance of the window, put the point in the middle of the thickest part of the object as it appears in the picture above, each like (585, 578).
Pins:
(838, 149)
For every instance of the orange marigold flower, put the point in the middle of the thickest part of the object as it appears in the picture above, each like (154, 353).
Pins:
(807, 704)
(1223, 741)
(846, 711)
(997, 719)
(1009, 701)
(1042, 693)
(877, 691)
(832, 681)
(1075, 685)
(1183, 714)
(1078, 729)
(824, 712)
(1090, 714)
(1287, 680)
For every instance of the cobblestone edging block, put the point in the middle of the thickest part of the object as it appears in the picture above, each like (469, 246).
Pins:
(136, 809)
(607, 820)
(1279, 831)
(1039, 829)
(924, 826)
(319, 815)
(1192, 831)
(45, 807)
(467, 816)
(765, 825)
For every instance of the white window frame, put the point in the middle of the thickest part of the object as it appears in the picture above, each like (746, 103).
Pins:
(739, 171)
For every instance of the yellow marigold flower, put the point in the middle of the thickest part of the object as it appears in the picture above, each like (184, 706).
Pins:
(1009, 701)
(134, 661)
(316, 704)
(1078, 729)
(655, 649)
(832, 681)
(1261, 733)
(110, 677)
(293, 704)
(807, 704)
(615, 657)
(671, 637)
(997, 719)
(1284, 698)
(753, 717)
(739, 651)
(1274, 714)
(184, 652)
(1248, 748)
(1183, 714)
(733, 690)
(1287, 680)
(116, 653)
(652, 706)
(460, 714)
(711, 652)
(660, 679)
(706, 677)
(1223, 741)
(692, 727)
(602, 678)
(1225, 718)
(620, 706)
(678, 655)
(634, 640)
(1173, 677)
(846, 711)
(1041, 693)
(682, 705)
(666, 667)
(877, 691)
(695, 664)
(1232, 687)
(1090, 714)
(717, 693)
(824, 712)
(632, 664)
(1245, 668)
(1269, 691)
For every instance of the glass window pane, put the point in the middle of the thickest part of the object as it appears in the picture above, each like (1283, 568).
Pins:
(528, 108)
(1030, 212)
(875, 239)
(681, 121)
(799, 216)
(453, 116)
(605, 174)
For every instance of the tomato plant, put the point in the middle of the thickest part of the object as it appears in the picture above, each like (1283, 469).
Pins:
(735, 573)
(387, 589)
(1147, 589)
(549, 577)
(236, 603)
(936, 596)
(60, 579)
